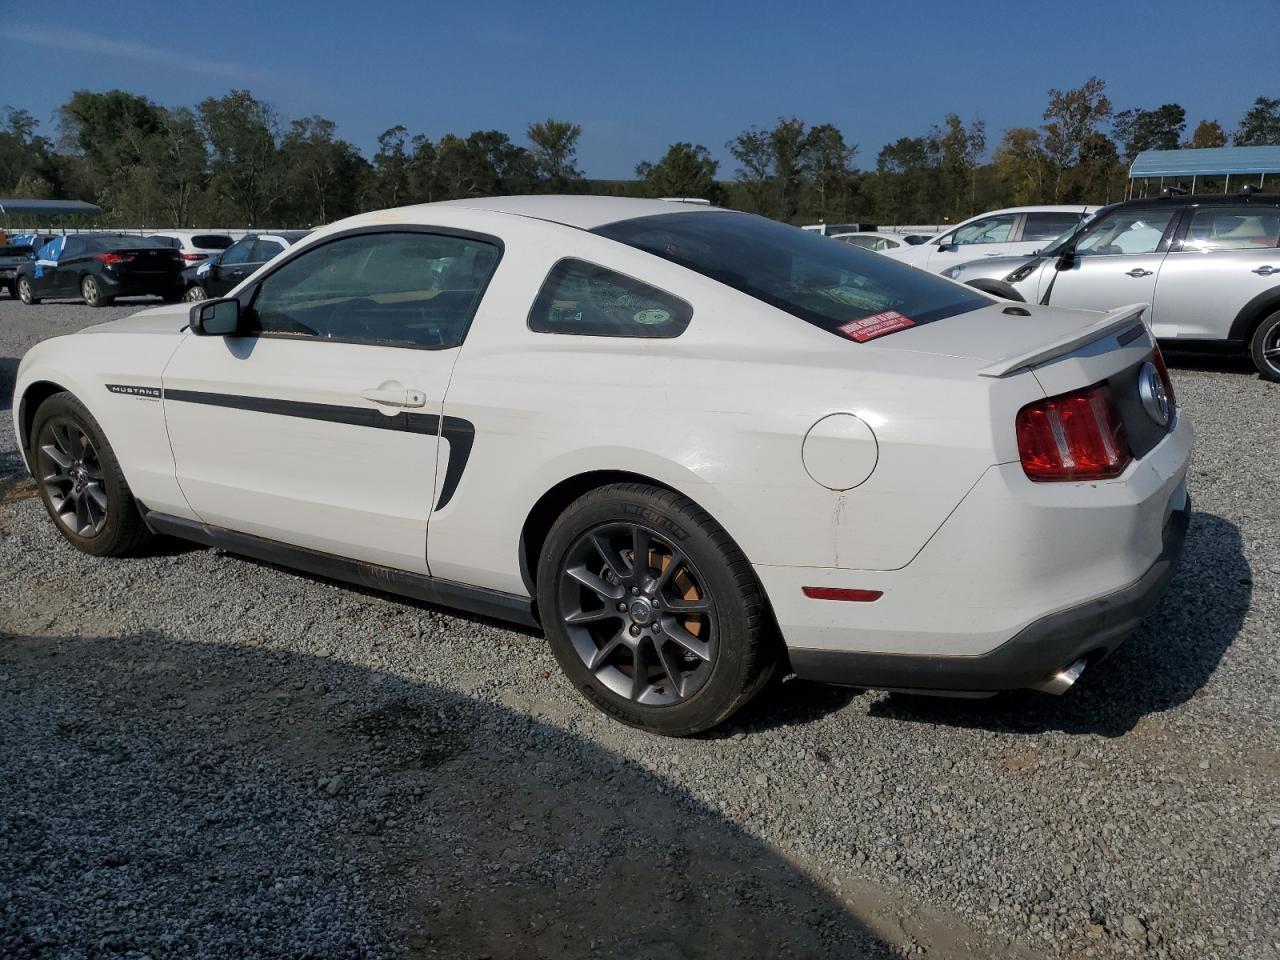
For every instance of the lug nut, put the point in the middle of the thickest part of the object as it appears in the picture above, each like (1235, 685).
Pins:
(622, 607)
(635, 631)
(635, 591)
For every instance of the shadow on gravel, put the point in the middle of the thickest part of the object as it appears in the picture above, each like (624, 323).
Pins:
(1167, 662)
(180, 799)
(1226, 361)
(8, 377)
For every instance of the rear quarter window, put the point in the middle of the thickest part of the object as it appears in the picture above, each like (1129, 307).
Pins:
(589, 300)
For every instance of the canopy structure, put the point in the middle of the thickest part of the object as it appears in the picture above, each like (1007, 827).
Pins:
(47, 208)
(1204, 170)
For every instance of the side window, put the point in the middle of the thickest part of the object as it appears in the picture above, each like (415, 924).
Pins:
(239, 251)
(51, 249)
(986, 230)
(1125, 232)
(1233, 228)
(1047, 226)
(74, 247)
(264, 250)
(581, 298)
(399, 289)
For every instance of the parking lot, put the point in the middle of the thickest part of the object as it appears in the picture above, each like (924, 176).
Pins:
(210, 756)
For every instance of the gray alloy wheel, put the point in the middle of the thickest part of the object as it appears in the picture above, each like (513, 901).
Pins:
(638, 613)
(67, 465)
(90, 293)
(195, 292)
(1265, 348)
(24, 291)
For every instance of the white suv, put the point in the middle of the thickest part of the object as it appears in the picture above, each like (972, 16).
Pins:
(1015, 230)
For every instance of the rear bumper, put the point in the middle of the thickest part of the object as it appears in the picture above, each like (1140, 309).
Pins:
(136, 286)
(1092, 629)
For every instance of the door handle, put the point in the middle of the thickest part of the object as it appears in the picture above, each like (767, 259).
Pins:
(393, 395)
(1138, 272)
(1266, 271)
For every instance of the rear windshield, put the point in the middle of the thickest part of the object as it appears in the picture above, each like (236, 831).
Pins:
(115, 241)
(833, 285)
(211, 241)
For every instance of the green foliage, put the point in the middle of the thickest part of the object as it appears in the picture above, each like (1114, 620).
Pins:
(1070, 117)
(554, 153)
(1208, 133)
(1261, 125)
(230, 160)
(685, 170)
(1158, 129)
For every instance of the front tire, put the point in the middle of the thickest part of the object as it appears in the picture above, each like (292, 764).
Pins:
(25, 293)
(652, 611)
(91, 293)
(1264, 347)
(80, 480)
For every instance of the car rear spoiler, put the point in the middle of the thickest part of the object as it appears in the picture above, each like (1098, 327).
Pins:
(1113, 321)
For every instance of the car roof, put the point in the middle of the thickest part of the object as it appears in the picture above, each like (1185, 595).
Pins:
(575, 211)
(1202, 200)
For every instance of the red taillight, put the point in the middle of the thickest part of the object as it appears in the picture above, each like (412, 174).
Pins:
(1075, 436)
(191, 257)
(842, 593)
(111, 259)
(1158, 359)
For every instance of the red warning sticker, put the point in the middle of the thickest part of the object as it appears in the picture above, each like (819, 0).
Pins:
(876, 325)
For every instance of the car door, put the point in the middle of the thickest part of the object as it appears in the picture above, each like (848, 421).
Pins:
(232, 268)
(985, 236)
(44, 272)
(1226, 256)
(320, 426)
(1117, 261)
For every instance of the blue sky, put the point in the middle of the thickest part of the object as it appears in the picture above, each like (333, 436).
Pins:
(638, 76)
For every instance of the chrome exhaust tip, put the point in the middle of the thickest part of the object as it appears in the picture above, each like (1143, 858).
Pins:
(1063, 680)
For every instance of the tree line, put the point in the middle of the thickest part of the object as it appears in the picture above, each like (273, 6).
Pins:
(234, 160)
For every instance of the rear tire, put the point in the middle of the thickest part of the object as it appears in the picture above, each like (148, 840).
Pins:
(80, 480)
(194, 293)
(92, 294)
(674, 645)
(1264, 348)
(25, 293)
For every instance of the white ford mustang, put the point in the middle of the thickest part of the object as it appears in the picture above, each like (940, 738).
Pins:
(696, 446)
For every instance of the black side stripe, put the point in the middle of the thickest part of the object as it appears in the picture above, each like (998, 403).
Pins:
(460, 433)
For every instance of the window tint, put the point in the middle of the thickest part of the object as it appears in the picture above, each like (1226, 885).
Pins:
(582, 298)
(1048, 226)
(239, 251)
(264, 250)
(1233, 228)
(173, 242)
(986, 230)
(75, 247)
(827, 284)
(1125, 232)
(211, 241)
(412, 289)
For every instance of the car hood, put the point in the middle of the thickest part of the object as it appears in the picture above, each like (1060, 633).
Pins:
(991, 334)
(170, 319)
(993, 268)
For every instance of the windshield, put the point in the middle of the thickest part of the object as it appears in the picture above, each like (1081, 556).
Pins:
(839, 287)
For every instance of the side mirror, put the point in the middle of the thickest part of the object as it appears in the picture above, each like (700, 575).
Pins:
(1066, 261)
(216, 318)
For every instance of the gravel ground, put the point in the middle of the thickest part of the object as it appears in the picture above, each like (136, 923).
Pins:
(206, 756)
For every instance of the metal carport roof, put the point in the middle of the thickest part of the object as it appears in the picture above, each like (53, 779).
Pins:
(47, 208)
(1207, 161)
